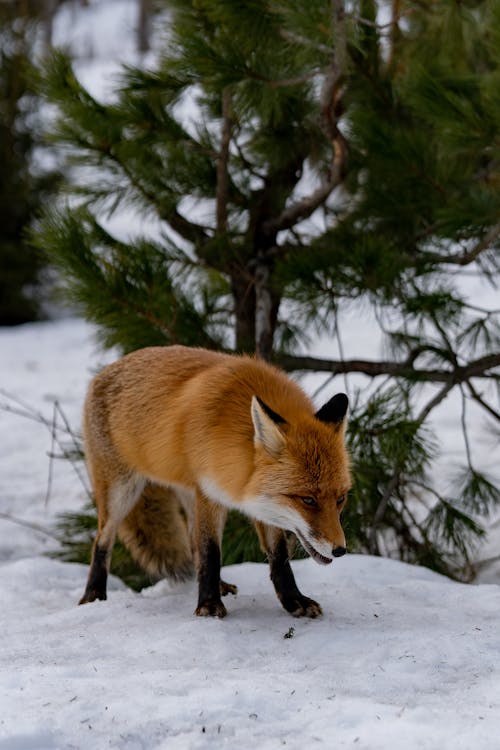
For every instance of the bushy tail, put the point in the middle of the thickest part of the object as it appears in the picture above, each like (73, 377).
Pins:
(156, 534)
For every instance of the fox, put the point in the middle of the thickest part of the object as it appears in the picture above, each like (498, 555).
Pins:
(176, 436)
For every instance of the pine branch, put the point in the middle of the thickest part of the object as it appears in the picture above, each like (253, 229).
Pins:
(394, 481)
(304, 41)
(189, 230)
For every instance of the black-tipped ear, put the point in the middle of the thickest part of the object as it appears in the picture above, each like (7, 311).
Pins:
(277, 419)
(334, 411)
(266, 424)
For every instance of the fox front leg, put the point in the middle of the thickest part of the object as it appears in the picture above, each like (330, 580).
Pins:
(209, 525)
(274, 544)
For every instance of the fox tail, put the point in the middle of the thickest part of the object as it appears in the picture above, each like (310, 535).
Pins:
(156, 533)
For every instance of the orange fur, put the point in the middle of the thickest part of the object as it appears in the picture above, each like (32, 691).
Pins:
(187, 420)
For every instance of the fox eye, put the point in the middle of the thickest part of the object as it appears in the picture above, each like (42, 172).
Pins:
(340, 501)
(309, 501)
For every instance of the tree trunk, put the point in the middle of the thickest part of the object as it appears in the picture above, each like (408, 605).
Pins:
(244, 309)
(49, 8)
(264, 328)
(144, 25)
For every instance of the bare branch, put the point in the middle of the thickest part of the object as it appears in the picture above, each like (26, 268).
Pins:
(468, 256)
(477, 368)
(188, 230)
(302, 209)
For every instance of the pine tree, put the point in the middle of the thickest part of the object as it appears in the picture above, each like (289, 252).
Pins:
(301, 158)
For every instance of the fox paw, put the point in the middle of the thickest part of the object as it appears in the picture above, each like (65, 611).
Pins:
(211, 609)
(227, 588)
(303, 607)
(91, 595)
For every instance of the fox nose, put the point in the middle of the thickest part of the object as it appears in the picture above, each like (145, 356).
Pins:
(338, 551)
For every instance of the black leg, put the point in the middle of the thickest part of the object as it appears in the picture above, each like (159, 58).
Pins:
(274, 544)
(209, 583)
(98, 576)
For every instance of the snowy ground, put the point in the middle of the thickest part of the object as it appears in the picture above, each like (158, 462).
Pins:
(402, 658)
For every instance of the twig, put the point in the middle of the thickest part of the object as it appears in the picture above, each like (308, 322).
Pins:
(341, 345)
(323, 385)
(468, 256)
(77, 445)
(380, 512)
(26, 411)
(463, 421)
(51, 454)
(29, 412)
(440, 396)
(487, 561)
(28, 525)
(475, 395)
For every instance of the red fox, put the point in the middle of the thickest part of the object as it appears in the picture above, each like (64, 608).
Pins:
(175, 436)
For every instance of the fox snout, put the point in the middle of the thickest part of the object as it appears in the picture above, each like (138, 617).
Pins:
(320, 550)
(338, 551)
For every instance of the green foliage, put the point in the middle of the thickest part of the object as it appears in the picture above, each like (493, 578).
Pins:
(392, 499)
(131, 288)
(240, 542)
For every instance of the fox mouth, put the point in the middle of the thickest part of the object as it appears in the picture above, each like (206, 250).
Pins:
(317, 556)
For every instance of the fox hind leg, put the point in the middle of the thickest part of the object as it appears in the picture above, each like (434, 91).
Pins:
(114, 502)
(274, 544)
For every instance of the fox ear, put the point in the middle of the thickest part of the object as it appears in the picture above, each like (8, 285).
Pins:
(266, 427)
(334, 411)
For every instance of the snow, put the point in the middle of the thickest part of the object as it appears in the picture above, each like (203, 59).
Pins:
(402, 657)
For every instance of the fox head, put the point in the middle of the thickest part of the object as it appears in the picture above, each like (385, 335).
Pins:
(301, 476)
